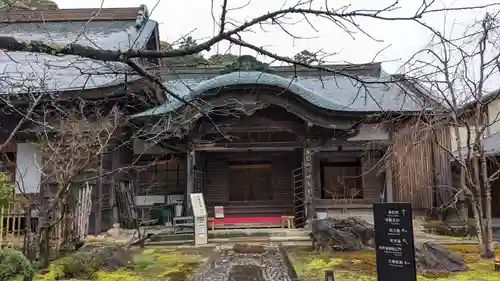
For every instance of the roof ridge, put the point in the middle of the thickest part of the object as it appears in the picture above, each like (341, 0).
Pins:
(81, 14)
(368, 69)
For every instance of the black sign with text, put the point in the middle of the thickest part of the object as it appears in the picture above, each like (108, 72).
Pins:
(329, 276)
(394, 242)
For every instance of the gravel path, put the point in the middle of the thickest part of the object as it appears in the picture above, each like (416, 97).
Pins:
(232, 266)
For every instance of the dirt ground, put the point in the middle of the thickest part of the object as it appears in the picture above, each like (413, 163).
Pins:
(361, 266)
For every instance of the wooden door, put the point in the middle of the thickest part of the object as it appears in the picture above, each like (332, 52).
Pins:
(250, 183)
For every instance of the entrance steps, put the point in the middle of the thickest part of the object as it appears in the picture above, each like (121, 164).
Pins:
(234, 236)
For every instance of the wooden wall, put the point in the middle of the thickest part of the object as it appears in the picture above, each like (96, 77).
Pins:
(420, 165)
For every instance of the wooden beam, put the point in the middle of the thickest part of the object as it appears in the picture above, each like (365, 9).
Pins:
(250, 166)
(267, 126)
(256, 146)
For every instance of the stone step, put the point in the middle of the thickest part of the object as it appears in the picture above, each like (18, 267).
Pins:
(234, 233)
(234, 240)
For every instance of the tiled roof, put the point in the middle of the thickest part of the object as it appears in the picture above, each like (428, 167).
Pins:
(23, 72)
(64, 15)
(336, 93)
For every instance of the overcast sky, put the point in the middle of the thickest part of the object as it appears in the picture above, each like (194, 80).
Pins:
(402, 39)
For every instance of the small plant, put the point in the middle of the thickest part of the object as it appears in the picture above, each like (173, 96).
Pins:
(142, 264)
(14, 263)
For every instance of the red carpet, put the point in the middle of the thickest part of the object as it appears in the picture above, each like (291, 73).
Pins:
(236, 220)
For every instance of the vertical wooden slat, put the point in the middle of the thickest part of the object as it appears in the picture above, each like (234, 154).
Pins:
(7, 223)
(412, 162)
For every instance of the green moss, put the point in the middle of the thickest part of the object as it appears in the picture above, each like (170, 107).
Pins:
(171, 264)
(119, 275)
(362, 265)
(149, 265)
(55, 271)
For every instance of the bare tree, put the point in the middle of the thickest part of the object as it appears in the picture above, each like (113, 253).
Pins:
(72, 146)
(459, 73)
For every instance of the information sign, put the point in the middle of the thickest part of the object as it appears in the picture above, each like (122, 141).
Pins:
(394, 242)
(219, 212)
(199, 218)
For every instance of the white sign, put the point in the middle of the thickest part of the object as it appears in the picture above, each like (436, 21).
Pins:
(321, 215)
(219, 212)
(198, 205)
(200, 218)
(201, 226)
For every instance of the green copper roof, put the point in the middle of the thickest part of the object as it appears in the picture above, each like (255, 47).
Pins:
(335, 93)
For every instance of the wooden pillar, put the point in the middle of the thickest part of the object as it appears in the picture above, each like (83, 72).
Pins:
(190, 160)
(123, 158)
(389, 192)
(316, 166)
(113, 202)
(307, 164)
(98, 211)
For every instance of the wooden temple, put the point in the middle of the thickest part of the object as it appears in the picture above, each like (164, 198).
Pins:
(268, 142)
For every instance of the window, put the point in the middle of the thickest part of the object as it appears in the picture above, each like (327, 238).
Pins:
(250, 182)
(341, 180)
(160, 175)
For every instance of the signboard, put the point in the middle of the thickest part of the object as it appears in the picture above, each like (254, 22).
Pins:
(329, 276)
(321, 215)
(199, 218)
(198, 205)
(200, 225)
(219, 212)
(394, 242)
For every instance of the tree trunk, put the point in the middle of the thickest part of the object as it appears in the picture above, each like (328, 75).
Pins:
(29, 243)
(479, 227)
(488, 240)
(45, 246)
(490, 252)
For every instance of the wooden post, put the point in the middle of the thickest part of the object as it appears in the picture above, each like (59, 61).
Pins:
(389, 193)
(115, 164)
(98, 210)
(308, 181)
(189, 178)
(1, 225)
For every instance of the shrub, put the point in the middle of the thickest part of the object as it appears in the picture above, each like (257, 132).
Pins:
(14, 263)
(80, 265)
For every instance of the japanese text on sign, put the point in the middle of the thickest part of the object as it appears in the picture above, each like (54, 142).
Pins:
(394, 242)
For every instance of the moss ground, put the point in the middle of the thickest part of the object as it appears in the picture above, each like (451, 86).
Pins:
(361, 266)
(151, 264)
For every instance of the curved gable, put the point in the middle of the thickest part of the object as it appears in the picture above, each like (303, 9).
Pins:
(330, 93)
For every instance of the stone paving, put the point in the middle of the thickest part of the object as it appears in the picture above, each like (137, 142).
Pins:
(231, 266)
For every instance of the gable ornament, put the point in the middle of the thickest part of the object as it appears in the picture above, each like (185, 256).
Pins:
(142, 16)
(246, 63)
